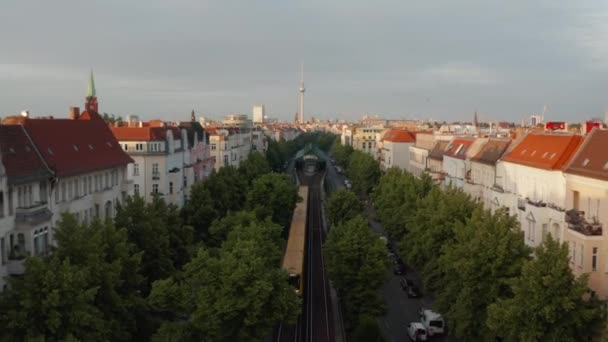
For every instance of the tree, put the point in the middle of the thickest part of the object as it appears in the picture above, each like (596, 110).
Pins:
(548, 302)
(368, 330)
(357, 264)
(487, 254)
(237, 295)
(156, 230)
(221, 228)
(431, 230)
(199, 212)
(341, 206)
(111, 119)
(363, 171)
(228, 189)
(341, 153)
(253, 167)
(88, 289)
(273, 195)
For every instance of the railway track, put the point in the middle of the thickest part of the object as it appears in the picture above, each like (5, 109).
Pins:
(315, 324)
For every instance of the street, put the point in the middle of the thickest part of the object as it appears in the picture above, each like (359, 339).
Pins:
(400, 309)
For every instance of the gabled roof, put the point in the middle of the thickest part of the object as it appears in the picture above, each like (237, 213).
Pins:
(592, 159)
(399, 136)
(457, 148)
(544, 150)
(491, 151)
(192, 127)
(145, 133)
(21, 160)
(438, 150)
(72, 147)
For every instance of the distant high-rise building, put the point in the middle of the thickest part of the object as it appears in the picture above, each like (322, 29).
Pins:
(258, 113)
(535, 120)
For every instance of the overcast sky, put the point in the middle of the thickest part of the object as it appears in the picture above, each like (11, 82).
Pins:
(400, 59)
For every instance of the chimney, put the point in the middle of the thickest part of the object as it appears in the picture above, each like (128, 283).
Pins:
(74, 113)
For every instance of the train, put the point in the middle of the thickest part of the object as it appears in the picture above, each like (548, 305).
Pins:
(295, 252)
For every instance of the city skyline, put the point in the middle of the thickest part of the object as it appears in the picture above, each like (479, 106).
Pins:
(396, 59)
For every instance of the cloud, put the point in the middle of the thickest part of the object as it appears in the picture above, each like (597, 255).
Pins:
(460, 73)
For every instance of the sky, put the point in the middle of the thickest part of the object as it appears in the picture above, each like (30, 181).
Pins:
(439, 60)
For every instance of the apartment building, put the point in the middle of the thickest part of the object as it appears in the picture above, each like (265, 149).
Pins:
(435, 161)
(52, 166)
(366, 139)
(201, 161)
(162, 161)
(455, 164)
(481, 182)
(419, 152)
(587, 211)
(394, 151)
(531, 175)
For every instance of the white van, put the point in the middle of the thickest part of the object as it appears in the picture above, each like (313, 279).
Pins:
(432, 321)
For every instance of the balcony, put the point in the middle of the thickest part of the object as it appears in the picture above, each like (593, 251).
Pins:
(538, 204)
(498, 188)
(156, 176)
(34, 214)
(576, 221)
(555, 207)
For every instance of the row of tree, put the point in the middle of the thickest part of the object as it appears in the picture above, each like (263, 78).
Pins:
(488, 283)
(356, 263)
(361, 168)
(208, 272)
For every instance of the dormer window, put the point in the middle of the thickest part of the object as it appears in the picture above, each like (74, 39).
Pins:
(75, 148)
(585, 162)
(533, 153)
(545, 154)
(523, 152)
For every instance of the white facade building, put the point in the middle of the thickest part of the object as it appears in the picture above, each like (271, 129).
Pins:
(258, 114)
(395, 149)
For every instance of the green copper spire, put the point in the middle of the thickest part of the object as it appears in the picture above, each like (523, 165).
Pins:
(91, 90)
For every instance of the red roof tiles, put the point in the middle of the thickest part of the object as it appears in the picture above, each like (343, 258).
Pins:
(592, 160)
(20, 158)
(71, 147)
(145, 133)
(399, 136)
(544, 151)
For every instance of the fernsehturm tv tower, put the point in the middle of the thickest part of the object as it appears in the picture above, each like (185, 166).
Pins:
(302, 90)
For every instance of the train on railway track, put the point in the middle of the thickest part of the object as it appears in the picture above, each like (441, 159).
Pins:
(295, 252)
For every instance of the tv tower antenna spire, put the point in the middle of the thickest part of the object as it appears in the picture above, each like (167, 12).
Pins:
(302, 90)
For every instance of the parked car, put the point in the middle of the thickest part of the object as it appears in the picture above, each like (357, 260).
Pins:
(412, 291)
(399, 269)
(416, 331)
(432, 321)
(338, 169)
(405, 283)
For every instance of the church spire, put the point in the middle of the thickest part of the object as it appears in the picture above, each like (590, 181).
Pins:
(91, 90)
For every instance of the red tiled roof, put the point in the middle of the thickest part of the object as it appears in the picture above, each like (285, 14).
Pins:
(20, 158)
(438, 150)
(592, 159)
(72, 147)
(491, 151)
(458, 147)
(146, 133)
(399, 136)
(544, 151)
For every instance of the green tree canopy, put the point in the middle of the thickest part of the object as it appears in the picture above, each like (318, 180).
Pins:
(548, 302)
(341, 153)
(363, 171)
(273, 195)
(199, 212)
(487, 255)
(228, 189)
(237, 295)
(253, 167)
(88, 289)
(357, 264)
(341, 206)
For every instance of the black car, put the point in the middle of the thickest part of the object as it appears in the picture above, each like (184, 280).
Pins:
(412, 292)
(405, 284)
(399, 269)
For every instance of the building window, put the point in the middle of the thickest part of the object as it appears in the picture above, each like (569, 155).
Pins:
(594, 260)
(90, 184)
(155, 188)
(225, 160)
(531, 230)
(70, 190)
(135, 169)
(155, 169)
(126, 147)
(139, 147)
(136, 189)
(363, 145)
(580, 260)
(84, 186)
(107, 180)
(185, 182)
(63, 192)
(170, 187)
(1, 204)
